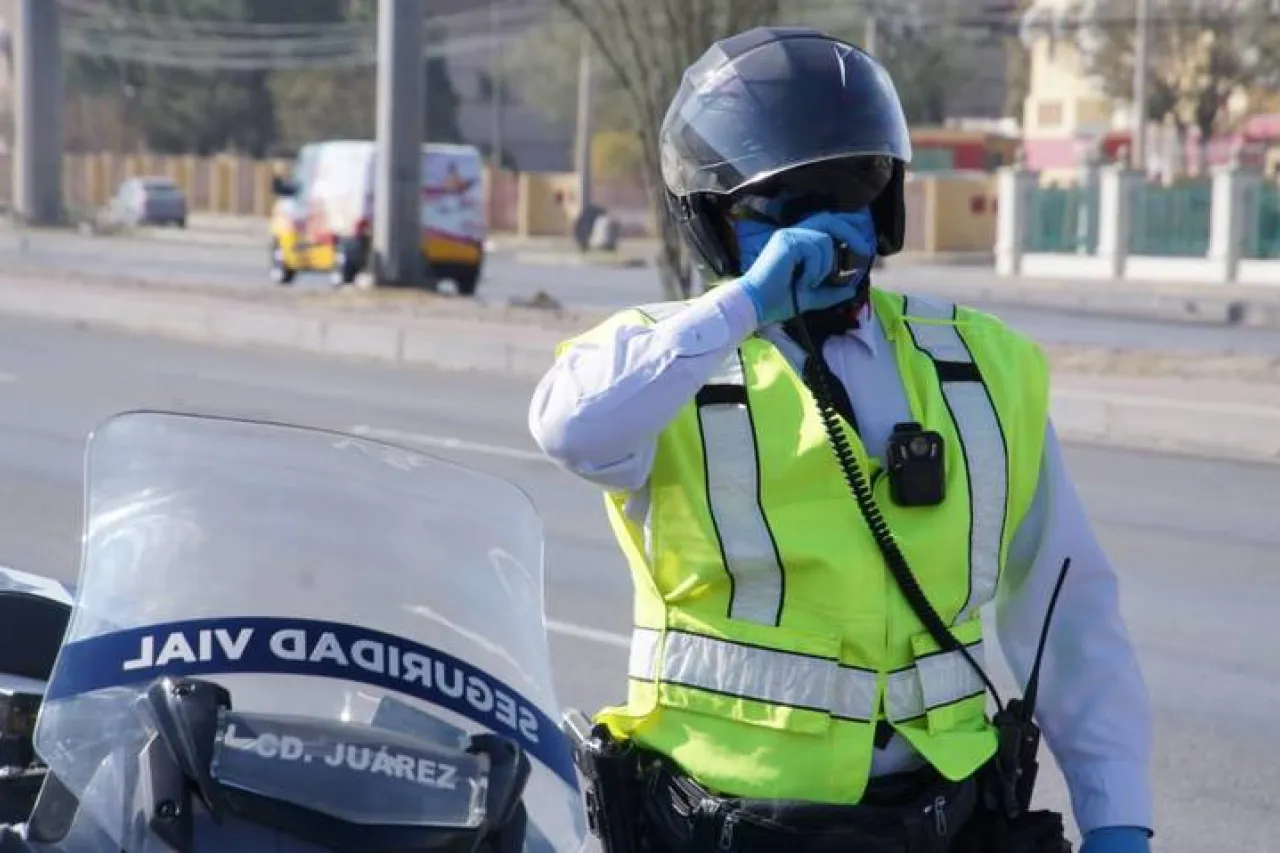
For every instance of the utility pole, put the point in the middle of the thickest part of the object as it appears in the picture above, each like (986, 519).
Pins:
(37, 94)
(1141, 50)
(397, 216)
(872, 34)
(496, 89)
(585, 132)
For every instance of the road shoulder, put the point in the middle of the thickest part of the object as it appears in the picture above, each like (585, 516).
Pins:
(1220, 405)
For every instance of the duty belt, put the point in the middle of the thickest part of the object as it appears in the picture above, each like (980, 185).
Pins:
(907, 813)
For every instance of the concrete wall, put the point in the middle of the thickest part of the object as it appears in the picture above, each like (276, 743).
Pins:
(222, 184)
(947, 211)
(951, 212)
(962, 213)
(533, 203)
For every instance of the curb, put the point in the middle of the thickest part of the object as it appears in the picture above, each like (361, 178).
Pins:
(1226, 430)
(577, 259)
(1259, 310)
(446, 344)
(190, 236)
(1238, 431)
(201, 236)
(1253, 305)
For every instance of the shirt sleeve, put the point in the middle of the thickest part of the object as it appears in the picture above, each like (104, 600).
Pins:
(599, 409)
(1093, 706)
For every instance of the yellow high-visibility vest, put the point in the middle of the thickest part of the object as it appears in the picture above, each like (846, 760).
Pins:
(769, 635)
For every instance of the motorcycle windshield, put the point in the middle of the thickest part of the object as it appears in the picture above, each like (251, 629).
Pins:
(374, 604)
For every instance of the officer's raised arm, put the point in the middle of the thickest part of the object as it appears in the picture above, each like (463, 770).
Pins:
(612, 389)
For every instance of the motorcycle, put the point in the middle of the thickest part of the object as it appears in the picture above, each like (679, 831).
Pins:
(34, 611)
(303, 636)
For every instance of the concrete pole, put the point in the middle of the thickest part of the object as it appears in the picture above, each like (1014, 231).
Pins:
(497, 78)
(585, 131)
(397, 216)
(37, 95)
(872, 34)
(1141, 51)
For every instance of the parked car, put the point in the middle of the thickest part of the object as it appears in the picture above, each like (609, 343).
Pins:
(149, 201)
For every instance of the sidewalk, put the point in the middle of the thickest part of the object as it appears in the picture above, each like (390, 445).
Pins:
(962, 277)
(641, 251)
(212, 229)
(1228, 304)
(1205, 417)
(971, 277)
(1164, 409)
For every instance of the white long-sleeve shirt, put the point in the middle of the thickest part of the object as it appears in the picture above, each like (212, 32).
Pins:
(598, 412)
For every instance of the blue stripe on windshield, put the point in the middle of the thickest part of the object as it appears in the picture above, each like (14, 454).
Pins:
(330, 650)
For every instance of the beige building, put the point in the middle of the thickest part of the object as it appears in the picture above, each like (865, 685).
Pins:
(1066, 110)
(1062, 99)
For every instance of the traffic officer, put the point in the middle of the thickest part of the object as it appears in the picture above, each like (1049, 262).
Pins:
(774, 655)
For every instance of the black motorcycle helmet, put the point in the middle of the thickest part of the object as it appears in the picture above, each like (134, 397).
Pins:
(782, 109)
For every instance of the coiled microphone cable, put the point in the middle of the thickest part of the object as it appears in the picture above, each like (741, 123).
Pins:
(848, 266)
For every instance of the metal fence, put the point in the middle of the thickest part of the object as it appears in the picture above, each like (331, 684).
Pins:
(1264, 241)
(1171, 221)
(1064, 219)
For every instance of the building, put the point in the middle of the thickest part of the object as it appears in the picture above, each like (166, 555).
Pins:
(1067, 114)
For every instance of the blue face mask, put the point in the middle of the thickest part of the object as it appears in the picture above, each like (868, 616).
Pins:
(754, 234)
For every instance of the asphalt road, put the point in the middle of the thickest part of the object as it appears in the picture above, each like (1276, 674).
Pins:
(243, 266)
(1200, 577)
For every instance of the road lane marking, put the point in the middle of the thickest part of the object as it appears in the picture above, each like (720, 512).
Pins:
(592, 635)
(445, 442)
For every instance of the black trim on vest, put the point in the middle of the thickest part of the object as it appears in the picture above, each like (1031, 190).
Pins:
(721, 395)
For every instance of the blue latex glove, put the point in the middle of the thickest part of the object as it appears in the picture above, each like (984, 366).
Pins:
(772, 255)
(1117, 839)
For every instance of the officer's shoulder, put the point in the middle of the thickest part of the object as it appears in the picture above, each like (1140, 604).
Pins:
(645, 314)
(974, 319)
(636, 315)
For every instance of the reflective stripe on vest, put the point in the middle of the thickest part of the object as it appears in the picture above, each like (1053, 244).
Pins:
(981, 441)
(802, 681)
(755, 567)
(728, 436)
(733, 494)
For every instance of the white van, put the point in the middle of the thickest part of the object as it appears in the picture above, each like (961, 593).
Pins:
(324, 214)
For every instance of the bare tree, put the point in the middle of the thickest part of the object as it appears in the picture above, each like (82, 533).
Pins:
(1202, 55)
(648, 44)
(925, 45)
(1017, 68)
(543, 67)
